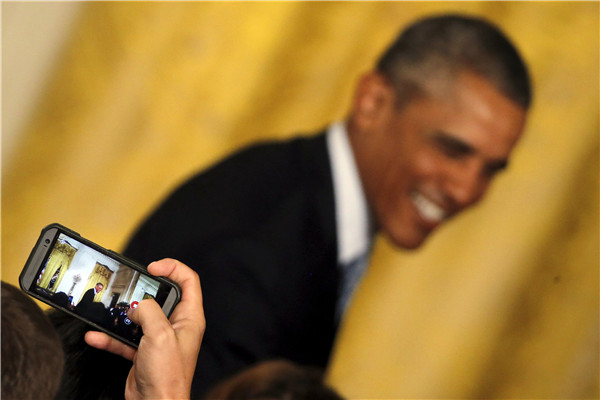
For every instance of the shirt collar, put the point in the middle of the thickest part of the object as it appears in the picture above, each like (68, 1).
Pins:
(353, 223)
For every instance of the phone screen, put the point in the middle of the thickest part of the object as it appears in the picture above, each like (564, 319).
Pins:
(93, 285)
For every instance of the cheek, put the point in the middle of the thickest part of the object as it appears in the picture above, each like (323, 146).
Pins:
(393, 196)
(395, 181)
(422, 169)
(403, 175)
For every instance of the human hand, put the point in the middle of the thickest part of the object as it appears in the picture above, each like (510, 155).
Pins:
(164, 363)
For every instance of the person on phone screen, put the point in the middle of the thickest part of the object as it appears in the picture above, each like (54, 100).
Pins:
(88, 297)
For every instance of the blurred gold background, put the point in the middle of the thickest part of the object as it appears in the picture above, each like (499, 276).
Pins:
(501, 303)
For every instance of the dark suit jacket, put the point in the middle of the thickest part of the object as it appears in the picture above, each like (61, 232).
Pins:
(87, 299)
(259, 228)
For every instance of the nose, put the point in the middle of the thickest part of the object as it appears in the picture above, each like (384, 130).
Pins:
(466, 184)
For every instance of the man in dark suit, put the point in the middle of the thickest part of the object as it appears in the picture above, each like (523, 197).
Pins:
(88, 308)
(280, 232)
(88, 298)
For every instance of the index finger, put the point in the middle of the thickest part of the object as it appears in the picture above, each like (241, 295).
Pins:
(102, 341)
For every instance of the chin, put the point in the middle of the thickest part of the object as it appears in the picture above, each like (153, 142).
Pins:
(406, 242)
(410, 246)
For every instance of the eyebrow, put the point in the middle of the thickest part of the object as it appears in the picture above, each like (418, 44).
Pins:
(452, 143)
(457, 146)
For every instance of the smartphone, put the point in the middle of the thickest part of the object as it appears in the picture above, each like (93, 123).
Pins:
(92, 283)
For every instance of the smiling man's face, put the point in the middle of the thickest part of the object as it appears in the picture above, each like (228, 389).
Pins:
(425, 162)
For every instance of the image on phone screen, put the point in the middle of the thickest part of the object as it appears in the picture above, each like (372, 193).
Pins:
(94, 286)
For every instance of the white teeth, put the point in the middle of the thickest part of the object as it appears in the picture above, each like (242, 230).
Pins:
(427, 208)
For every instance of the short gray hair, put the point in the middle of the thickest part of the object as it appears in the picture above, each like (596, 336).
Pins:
(445, 45)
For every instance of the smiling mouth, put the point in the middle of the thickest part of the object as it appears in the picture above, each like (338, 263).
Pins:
(428, 209)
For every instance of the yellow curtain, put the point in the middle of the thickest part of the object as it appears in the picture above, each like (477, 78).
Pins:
(500, 303)
(101, 274)
(58, 263)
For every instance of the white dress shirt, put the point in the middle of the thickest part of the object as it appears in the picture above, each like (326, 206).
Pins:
(353, 222)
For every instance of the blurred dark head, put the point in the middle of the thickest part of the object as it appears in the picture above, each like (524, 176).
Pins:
(32, 355)
(274, 380)
(89, 373)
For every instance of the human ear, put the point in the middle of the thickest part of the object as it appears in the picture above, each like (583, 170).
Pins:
(372, 96)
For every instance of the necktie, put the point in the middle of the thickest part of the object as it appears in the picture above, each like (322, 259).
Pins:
(351, 273)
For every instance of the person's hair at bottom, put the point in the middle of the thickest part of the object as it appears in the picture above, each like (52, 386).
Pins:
(89, 373)
(32, 356)
(274, 380)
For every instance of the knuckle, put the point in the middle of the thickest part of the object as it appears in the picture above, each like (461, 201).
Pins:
(165, 334)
